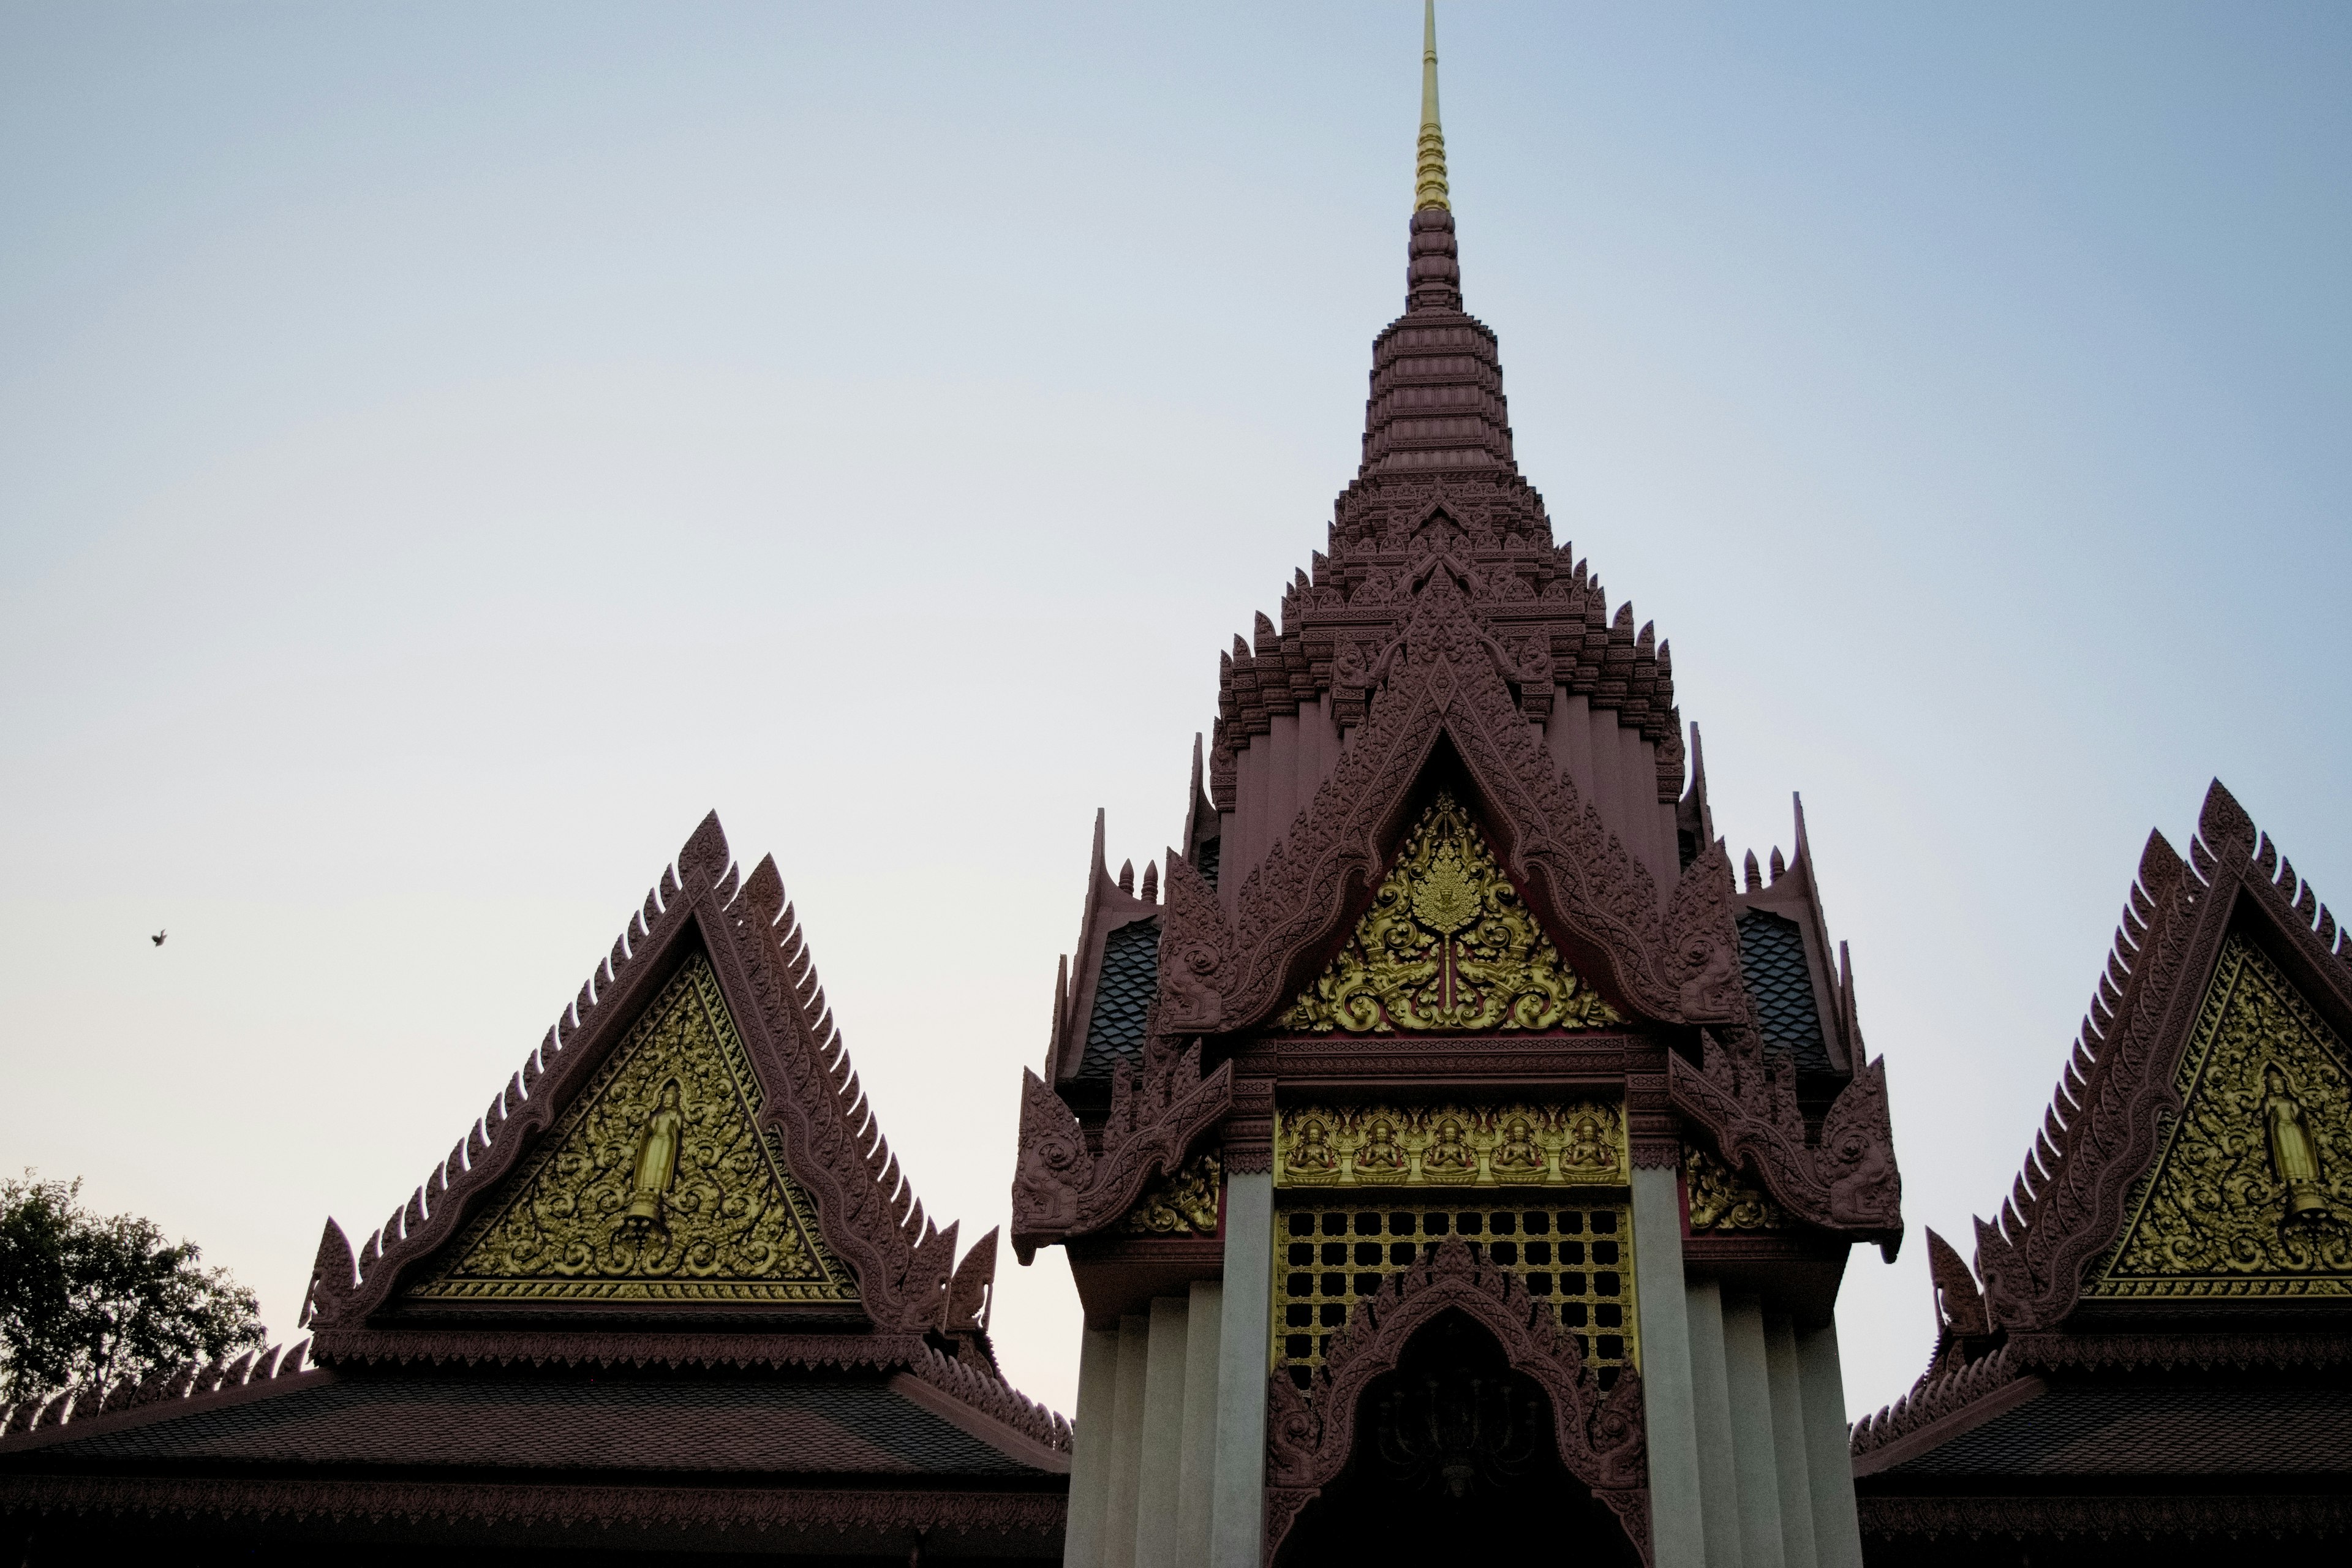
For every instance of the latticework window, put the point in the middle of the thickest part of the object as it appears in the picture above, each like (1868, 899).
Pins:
(1579, 1260)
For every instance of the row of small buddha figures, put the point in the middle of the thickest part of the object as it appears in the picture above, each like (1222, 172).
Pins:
(1449, 1145)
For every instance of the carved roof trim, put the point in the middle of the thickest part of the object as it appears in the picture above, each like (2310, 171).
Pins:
(2100, 1134)
(1110, 908)
(833, 1143)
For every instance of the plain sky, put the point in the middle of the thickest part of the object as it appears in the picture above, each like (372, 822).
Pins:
(445, 450)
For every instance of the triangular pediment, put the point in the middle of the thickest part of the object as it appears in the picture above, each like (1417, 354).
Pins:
(2251, 1196)
(655, 1184)
(1448, 944)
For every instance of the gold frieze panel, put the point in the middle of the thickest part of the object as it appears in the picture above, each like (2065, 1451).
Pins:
(1186, 1201)
(1447, 944)
(1720, 1201)
(655, 1185)
(1512, 1144)
(2252, 1192)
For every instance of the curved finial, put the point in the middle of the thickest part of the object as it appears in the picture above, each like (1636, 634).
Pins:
(1429, 170)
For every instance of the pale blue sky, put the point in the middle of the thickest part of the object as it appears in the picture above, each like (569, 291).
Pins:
(445, 451)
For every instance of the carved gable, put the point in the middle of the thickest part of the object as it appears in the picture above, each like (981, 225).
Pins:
(2251, 1194)
(1447, 944)
(655, 1185)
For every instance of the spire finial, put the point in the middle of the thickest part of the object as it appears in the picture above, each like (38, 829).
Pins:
(1429, 172)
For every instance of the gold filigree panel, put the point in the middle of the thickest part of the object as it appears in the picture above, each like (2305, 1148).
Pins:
(653, 1186)
(2252, 1192)
(1183, 1202)
(1719, 1200)
(1447, 944)
(1575, 1256)
(1507, 1145)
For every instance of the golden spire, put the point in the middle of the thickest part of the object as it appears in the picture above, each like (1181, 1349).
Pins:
(1429, 172)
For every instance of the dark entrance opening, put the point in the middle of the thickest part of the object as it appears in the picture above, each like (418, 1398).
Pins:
(1454, 1449)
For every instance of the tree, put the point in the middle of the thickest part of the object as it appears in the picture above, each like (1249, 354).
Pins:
(88, 1299)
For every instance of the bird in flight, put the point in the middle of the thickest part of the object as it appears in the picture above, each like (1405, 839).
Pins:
(158, 938)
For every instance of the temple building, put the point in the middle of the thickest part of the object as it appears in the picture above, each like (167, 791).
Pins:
(1450, 1147)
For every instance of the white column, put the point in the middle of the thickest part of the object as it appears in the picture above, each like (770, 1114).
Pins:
(1196, 1472)
(1156, 1543)
(1749, 1380)
(1829, 1464)
(1677, 1529)
(1127, 1441)
(1788, 1440)
(1090, 1457)
(1711, 1399)
(1245, 1356)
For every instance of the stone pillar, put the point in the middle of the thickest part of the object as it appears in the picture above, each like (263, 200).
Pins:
(1091, 1458)
(1711, 1400)
(1127, 1441)
(1828, 1463)
(1196, 1471)
(1162, 1450)
(1748, 1379)
(1788, 1440)
(1669, 1410)
(1245, 1355)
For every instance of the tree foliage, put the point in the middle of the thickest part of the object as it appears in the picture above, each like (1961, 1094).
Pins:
(92, 1299)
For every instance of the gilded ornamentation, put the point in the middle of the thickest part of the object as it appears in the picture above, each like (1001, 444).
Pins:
(655, 1185)
(1183, 1203)
(1509, 1145)
(1447, 944)
(1719, 1200)
(2251, 1192)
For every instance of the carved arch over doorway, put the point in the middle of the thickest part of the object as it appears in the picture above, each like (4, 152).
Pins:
(1599, 1434)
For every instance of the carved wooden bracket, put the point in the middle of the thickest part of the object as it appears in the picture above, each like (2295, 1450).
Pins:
(1060, 1191)
(1601, 1436)
(1847, 1183)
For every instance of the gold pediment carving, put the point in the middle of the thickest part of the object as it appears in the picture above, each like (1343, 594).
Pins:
(1447, 944)
(655, 1185)
(2251, 1192)
(1512, 1144)
(1719, 1199)
(1188, 1201)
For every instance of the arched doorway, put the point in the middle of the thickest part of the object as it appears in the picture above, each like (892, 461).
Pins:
(1455, 1447)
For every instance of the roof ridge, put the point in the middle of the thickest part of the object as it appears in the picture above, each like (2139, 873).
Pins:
(87, 1401)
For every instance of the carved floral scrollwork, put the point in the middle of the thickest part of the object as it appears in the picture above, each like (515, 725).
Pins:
(1185, 1202)
(1847, 1181)
(1719, 1200)
(1447, 944)
(1601, 1436)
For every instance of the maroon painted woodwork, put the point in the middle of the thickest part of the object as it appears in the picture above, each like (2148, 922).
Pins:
(2101, 1133)
(1445, 675)
(832, 1146)
(1847, 1182)
(1061, 1191)
(1601, 1436)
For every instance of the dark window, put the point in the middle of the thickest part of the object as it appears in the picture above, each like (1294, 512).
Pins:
(1302, 1284)
(1612, 1348)
(1298, 1315)
(1302, 1224)
(1335, 1225)
(1302, 1253)
(1572, 1252)
(1539, 1284)
(1604, 1284)
(1298, 1347)
(1605, 1252)
(1335, 1284)
(1367, 1225)
(1571, 1285)
(1334, 1253)
(1435, 1223)
(1504, 1252)
(1368, 1254)
(1539, 1252)
(1538, 1225)
(1367, 1283)
(1468, 1224)
(1604, 1223)
(1399, 1225)
(1609, 1315)
(1401, 1253)
(1334, 1313)
(1503, 1224)
(1572, 1314)
(1572, 1224)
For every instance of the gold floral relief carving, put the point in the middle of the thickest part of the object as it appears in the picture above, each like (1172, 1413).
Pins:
(1185, 1202)
(2251, 1192)
(1504, 1145)
(656, 1185)
(1719, 1200)
(1447, 944)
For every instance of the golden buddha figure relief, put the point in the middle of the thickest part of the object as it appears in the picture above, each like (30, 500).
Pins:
(1514, 1144)
(2248, 1196)
(656, 1184)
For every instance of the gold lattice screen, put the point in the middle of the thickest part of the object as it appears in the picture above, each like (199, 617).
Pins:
(1578, 1259)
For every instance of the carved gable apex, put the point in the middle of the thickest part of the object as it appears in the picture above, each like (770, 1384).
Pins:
(657, 1183)
(1443, 681)
(2225, 961)
(763, 1183)
(1447, 944)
